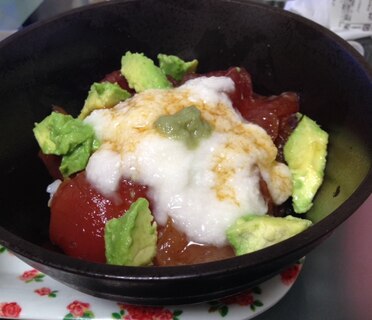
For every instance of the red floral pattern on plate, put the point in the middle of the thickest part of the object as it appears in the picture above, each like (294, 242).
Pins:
(245, 305)
(78, 310)
(246, 298)
(10, 309)
(130, 312)
(32, 275)
(44, 291)
(289, 275)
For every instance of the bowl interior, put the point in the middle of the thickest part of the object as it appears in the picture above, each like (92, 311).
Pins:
(54, 63)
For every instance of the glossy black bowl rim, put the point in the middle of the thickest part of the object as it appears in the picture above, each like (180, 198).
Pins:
(321, 229)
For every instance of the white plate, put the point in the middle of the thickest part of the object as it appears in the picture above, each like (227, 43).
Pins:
(26, 293)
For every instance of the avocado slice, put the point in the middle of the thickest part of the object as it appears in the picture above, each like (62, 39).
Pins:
(305, 153)
(142, 74)
(252, 232)
(103, 95)
(175, 66)
(71, 138)
(131, 239)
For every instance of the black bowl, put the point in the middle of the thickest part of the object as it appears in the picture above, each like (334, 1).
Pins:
(55, 62)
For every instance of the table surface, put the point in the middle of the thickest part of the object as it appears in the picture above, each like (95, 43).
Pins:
(336, 281)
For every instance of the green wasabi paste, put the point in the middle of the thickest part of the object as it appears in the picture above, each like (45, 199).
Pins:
(186, 125)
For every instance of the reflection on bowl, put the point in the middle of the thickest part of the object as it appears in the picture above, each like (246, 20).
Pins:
(54, 63)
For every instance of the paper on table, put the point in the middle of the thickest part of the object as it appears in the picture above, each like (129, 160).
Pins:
(350, 19)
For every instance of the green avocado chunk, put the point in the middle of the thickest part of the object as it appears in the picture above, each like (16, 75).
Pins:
(186, 125)
(305, 153)
(131, 239)
(142, 74)
(71, 138)
(175, 66)
(101, 96)
(252, 232)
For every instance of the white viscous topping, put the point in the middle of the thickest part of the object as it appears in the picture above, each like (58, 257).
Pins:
(52, 189)
(211, 90)
(202, 190)
(104, 169)
(274, 179)
(183, 182)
